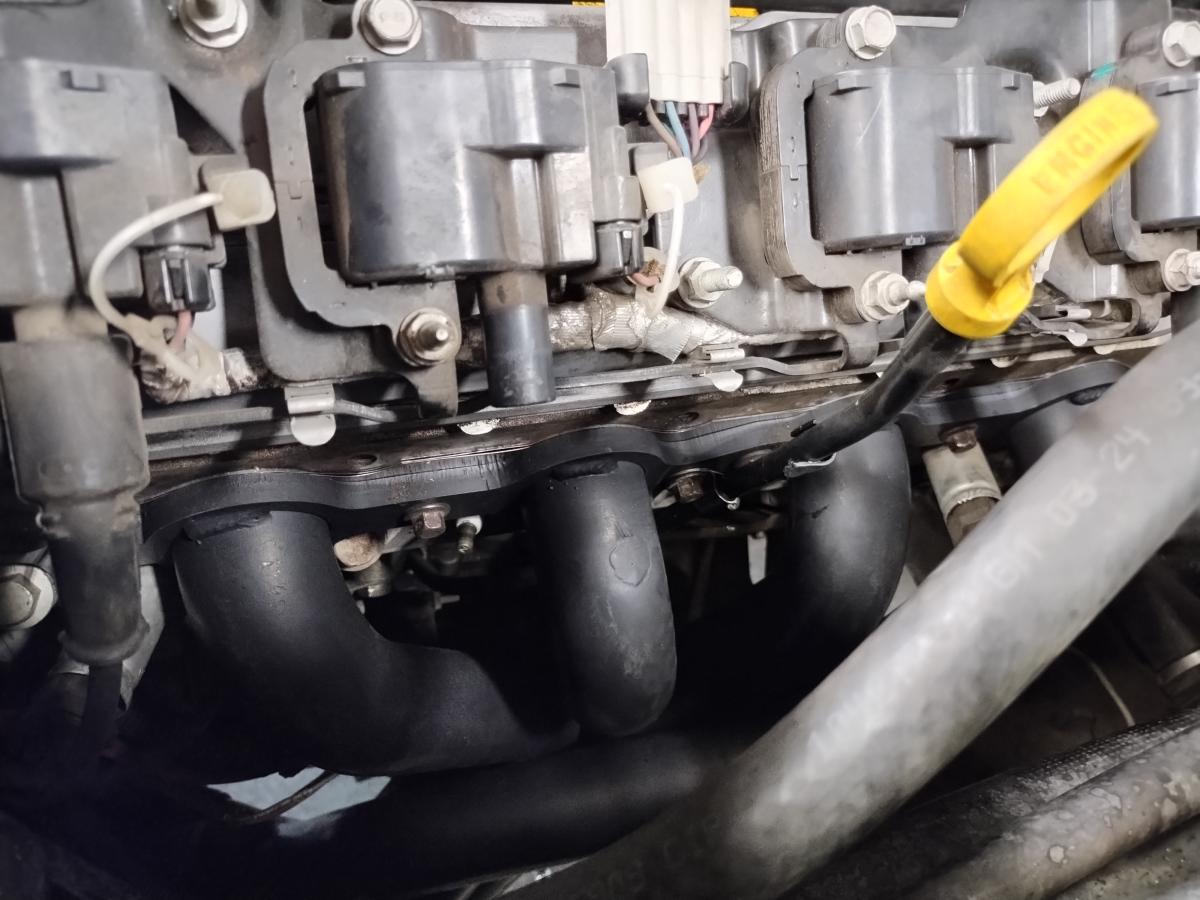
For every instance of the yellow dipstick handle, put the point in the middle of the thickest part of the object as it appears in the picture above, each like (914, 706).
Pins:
(984, 281)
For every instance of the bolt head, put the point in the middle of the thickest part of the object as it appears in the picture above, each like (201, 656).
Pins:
(1180, 270)
(870, 30)
(428, 522)
(390, 25)
(18, 599)
(961, 439)
(214, 23)
(688, 488)
(358, 551)
(1181, 42)
(26, 596)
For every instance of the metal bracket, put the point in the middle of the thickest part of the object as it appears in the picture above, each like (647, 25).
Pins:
(798, 467)
(311, 408)
(726, 382)
(1065, 327)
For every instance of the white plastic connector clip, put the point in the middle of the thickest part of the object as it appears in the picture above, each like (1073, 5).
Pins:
(658, 180)
(246, 196)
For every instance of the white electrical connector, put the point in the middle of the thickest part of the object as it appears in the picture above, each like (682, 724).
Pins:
(686, 42)
(668, 187)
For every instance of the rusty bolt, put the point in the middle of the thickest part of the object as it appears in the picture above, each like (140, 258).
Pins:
(689, 487)
(960, 440)
(429, 521)
(467, 529)
(358, 551)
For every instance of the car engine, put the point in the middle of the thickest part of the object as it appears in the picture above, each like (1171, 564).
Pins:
(643, 449)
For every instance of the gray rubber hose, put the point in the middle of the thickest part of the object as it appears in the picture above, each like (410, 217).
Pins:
(1084, 830)
(1006, 602)
(917, 844)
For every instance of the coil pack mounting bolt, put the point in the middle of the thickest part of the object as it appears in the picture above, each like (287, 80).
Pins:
(1181, 270)
(1181, 43)
(870, 30)
(428, 337)
(390, 26)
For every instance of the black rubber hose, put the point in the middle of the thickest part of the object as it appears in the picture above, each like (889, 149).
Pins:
(1007, 601)
(454, 827)
(266, 597)
(74, 427)
(1149, 613)
(99, 725)
(432, 830)
(94, 547)
(516, 329)
(926, 352)
(917, 844)
(601, 566)
(1084, 829)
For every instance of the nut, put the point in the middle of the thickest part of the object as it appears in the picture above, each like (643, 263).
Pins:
(884, 295)
(960, 440)
(390, 26)
(214, 23)
(429, 521)
(1181, 270)
(688, 487)
(702, 281)
(1181, 42)
(870, 30)
(428, 337)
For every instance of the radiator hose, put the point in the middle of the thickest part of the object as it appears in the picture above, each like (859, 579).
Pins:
(1005, 603)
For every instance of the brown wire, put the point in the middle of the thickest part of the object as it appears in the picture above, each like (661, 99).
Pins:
(661, 130)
